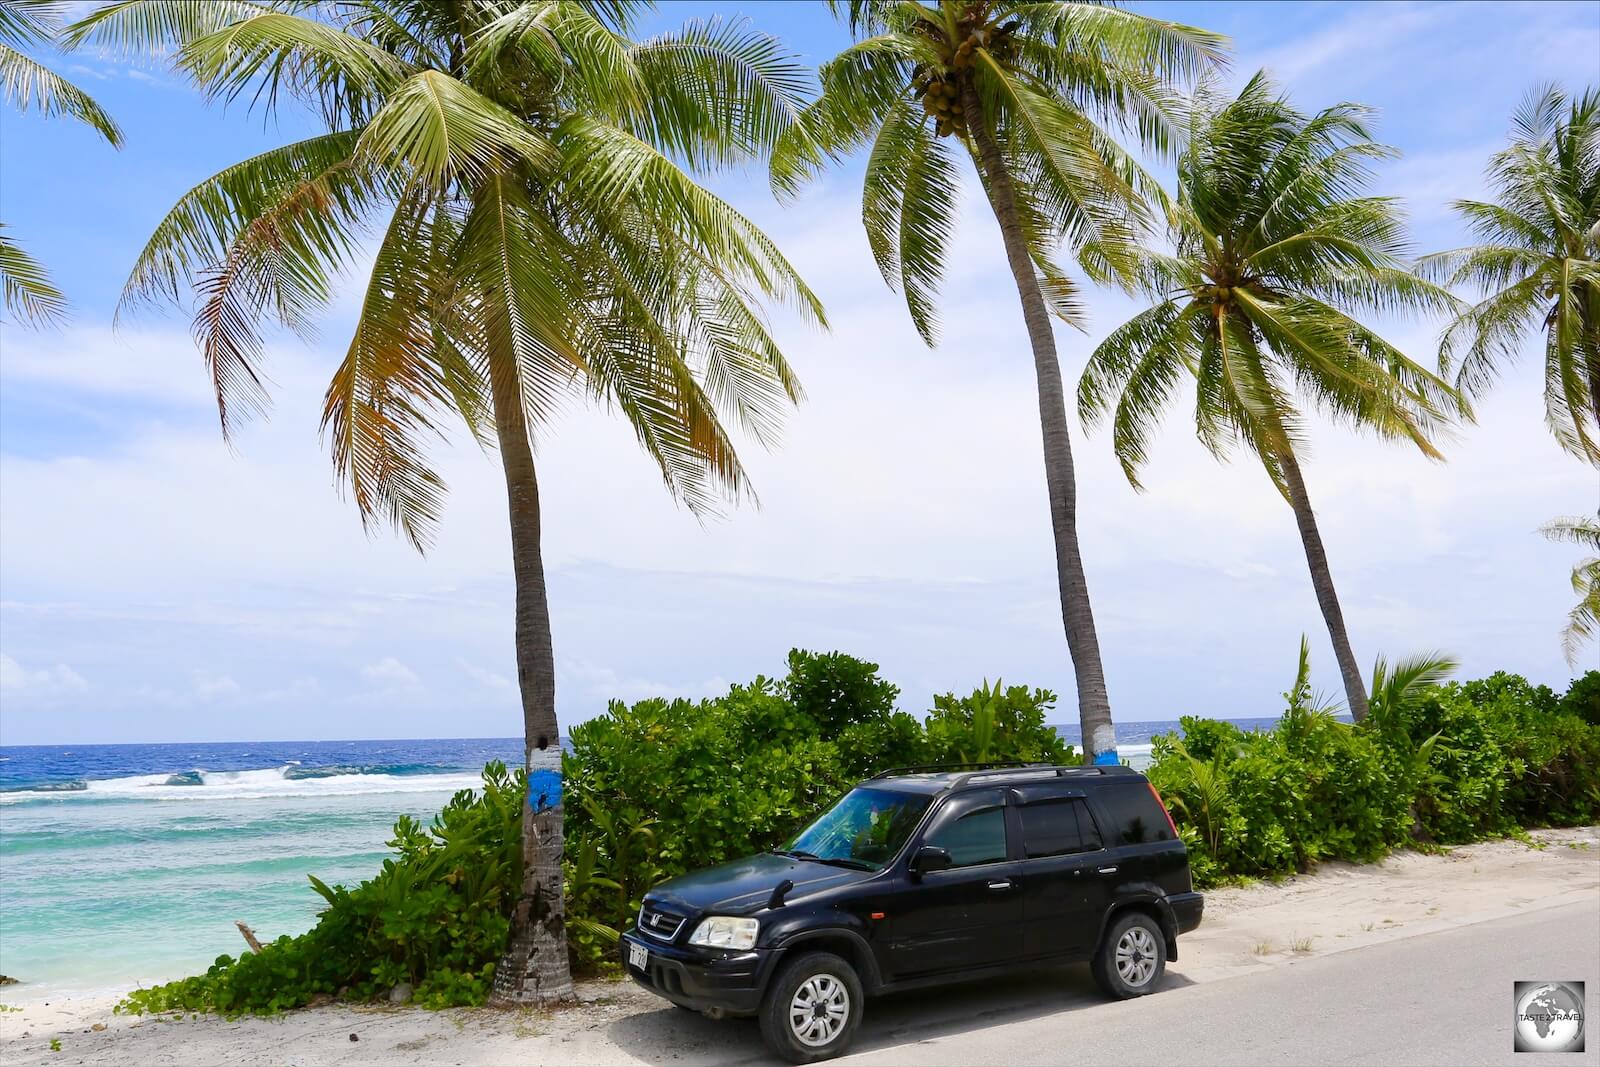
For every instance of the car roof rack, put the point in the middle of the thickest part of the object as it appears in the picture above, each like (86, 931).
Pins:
(940, 768)
(998, 768)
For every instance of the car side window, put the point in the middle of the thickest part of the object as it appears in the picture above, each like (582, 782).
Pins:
(1049, 829)
(1060, 827)
(1087, 830)
(979, 836)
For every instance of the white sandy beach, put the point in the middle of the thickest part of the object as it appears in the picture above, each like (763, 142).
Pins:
(1338, 908)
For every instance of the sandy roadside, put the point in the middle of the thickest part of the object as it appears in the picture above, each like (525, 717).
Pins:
(1340, 907)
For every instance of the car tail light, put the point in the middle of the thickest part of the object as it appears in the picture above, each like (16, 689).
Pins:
(1162, 805)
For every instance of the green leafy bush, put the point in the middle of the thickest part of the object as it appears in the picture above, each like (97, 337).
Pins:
(1432, 763)
(1582, 698)
(1273, 802)
(994, 724)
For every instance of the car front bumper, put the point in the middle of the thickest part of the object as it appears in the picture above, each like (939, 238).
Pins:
(703, 980)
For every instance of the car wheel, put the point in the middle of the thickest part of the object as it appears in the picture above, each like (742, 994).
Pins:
(812, 1008)
(1132, 957)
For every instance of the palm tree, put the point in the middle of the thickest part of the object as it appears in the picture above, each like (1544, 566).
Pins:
(540, 242)
(1275, 253)
(1025, 89)
(1584, 619)
(1539, 264)
(26, 290)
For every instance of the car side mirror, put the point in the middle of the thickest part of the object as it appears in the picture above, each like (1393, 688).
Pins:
(930, 858)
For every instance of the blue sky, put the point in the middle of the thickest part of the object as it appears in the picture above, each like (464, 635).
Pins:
(155, 585)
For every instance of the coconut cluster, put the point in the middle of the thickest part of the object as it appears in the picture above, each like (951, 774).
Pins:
(940, 86)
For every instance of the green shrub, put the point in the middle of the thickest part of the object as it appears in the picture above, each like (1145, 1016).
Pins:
(1582, 698)
(1433, 763)
(1275, 802)
(1204, 738)
(994, 724)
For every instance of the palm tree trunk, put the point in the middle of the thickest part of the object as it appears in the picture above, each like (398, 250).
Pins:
(1355, 691)
(535, 969)
(1077, 615)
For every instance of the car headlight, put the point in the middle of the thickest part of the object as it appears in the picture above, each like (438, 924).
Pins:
(724, 931)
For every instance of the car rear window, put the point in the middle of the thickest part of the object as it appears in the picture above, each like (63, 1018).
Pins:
(1057, 828)
(1135, 817)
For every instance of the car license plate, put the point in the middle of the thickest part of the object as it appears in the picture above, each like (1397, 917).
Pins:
(638, 956)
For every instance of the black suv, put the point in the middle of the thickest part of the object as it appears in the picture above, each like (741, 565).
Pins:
(918, 876)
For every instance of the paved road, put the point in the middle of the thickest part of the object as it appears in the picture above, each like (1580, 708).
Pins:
(1441, 998)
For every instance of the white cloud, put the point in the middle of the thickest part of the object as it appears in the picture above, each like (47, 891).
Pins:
(209, 686)
(390, 673)
(47, 681)
(488, 679)
(597, 683)
(1350, 40)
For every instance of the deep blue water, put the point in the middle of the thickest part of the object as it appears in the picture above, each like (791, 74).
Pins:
(91, 768)
(27, 767)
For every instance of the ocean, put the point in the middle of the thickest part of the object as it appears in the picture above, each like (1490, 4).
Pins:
(122, 864)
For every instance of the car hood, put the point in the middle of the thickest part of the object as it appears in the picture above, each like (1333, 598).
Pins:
(742, 886)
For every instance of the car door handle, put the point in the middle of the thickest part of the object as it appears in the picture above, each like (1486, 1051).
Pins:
(1001, 885)
(1108, 870)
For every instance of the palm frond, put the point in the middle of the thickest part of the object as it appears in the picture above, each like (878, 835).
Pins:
(25, 285)
(198, 229)
(441, 130)
(602, 163)
(31, 86)
(152, 29)
(1538, 266)
(908, 206)
(274, 51)
(718, 93)
(390, 386)
(860, 88)
(1134, 373)
(1397, 687)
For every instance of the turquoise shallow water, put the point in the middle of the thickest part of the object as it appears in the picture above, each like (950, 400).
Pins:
(97, 896)
(122, 864)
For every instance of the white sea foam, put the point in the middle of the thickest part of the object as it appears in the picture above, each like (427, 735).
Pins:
(247, 785)
(1138, 756)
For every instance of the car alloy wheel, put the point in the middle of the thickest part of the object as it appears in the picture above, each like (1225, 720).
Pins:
(1136, 956)
(819, 1010)
(812, 1007)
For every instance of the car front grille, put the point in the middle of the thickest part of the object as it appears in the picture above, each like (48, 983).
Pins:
(659, 924)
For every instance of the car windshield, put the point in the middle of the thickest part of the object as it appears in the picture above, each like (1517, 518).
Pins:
(863, 830)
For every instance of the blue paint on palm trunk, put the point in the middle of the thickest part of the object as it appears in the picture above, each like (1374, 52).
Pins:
(544, 789)
(1108, 758)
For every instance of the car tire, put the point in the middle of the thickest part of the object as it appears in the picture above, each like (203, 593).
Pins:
(828, 987)
(1132, 956)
